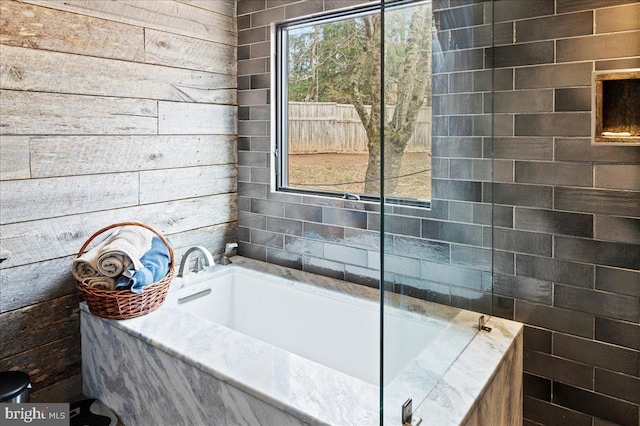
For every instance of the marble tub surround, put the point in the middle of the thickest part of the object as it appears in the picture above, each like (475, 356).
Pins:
(211, 372)
(147, 385)
(470, 394)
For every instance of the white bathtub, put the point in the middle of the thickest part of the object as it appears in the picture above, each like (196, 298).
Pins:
(242, 344)
(338, 332)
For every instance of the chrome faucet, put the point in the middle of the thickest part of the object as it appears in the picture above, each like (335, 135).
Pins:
(228, 248)
(203, 260)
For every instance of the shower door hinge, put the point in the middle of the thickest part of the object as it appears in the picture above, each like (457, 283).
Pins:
(407, 414)
(481, 324)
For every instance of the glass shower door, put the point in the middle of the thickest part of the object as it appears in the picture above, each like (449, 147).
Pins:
(436, 212)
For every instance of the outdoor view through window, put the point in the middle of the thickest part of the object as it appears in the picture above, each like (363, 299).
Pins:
(330, 79)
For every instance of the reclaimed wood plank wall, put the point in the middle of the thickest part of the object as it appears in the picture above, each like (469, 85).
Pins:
(110, 111)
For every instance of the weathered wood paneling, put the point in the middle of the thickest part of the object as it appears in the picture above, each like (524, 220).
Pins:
(43, 28)
(227, 8)
(33, 283)
(60, 391)
(175, 184)
(52, 238)
(14, 157)
(81, 149)
(62, 319)
(47, 113)
(165, 48)
(180, 118)
(24, 200)
(29, 69)
(171, 16)
(50, 363)
(82, 155)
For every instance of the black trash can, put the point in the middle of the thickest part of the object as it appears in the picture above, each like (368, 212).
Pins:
(91, 412)
(14, 387)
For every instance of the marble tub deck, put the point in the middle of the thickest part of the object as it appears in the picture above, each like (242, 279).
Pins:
(210, 372)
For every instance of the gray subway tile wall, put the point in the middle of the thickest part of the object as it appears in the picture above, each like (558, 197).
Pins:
(537, 411)
(617, 280)
(523, 288)
(597, 405)
(537, 339)
(552, 27)
(557, 320)
(521, 192)
(553, 124)
(554, 173)
(554, 222)
(597, 302)
(622, 229)
(606, 253)
(618, 19)
(578, 149)
(553, 75)
(523, 148)
(523, 195)
(611, 357)
(537, 386)
(573, 99)
(598, 47)
(540, 364)
(586, 330)
(617, 385)
(563, 6)
(617, 332)
(523, 54)
(556, 270)
(608, 176)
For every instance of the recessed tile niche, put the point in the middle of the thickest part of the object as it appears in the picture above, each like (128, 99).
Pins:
(616, 107)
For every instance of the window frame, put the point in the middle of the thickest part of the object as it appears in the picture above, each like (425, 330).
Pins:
(279, 97)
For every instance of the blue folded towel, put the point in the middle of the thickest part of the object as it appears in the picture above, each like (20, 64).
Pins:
(155, 264)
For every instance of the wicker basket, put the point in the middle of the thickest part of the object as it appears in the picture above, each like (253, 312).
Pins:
(123, 304)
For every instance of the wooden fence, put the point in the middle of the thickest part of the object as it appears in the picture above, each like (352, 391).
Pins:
(329, 127)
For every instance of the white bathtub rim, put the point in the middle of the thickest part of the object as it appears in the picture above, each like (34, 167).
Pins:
(439, 315)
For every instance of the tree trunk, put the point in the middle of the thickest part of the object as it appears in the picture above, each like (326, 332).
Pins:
(393, 153)
(412, 89)
(412, 85)
(372, 176)
(371, 121)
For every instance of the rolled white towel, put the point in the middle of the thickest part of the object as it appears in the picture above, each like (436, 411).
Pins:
(621, 134)
(127, 246)
(112, 263)
(101, 283)
(87, 264)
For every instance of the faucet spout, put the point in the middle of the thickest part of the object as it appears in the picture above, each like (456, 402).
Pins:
(228, 248)
(203, 260)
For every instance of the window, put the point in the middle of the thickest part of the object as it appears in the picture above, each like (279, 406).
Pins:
(329, 103)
